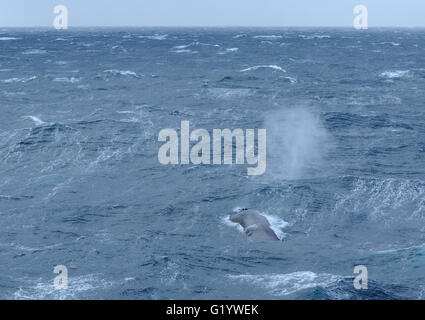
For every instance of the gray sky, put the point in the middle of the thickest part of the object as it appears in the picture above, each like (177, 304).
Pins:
(387, 13)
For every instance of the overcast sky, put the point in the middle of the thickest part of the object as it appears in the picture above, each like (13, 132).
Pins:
(396, 13)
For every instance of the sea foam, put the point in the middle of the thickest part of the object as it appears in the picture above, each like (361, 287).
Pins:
(289, 283)
(270, 66)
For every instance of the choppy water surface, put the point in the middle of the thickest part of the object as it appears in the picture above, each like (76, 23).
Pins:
(81, 185)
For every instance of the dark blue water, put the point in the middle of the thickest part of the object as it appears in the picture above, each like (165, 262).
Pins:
(81, 184)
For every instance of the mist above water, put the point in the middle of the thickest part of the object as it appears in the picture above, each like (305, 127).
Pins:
(297, 143)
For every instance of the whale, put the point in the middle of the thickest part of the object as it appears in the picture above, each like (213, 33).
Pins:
(254, 225)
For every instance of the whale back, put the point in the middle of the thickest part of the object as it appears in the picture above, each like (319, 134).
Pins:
(255, 225)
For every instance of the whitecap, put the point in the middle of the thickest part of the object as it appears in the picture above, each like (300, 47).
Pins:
(37, 121)
(126, 112)
(69, 80)
(274, 67)
(268, 37)
(385, 198)
(14, 93)
(289, 283)
(181, 47)
(195, 44)
(155, 37)
(38, 289)
(226, 221)
(122, 73)
(130, 120)
(8, 38)
(290, 79)
(315, 36)
(400, 249)
(395, 44)
(118, 48)
(129, 279)
(23, 80)
(25, 248)
(225, 93)
(183, 51)
(277, 224)
(394, 74)
(34, 51)
(229, 50)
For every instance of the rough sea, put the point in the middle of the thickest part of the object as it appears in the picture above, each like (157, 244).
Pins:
(81, 184)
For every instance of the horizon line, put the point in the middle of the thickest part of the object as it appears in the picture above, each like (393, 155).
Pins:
(200, 26)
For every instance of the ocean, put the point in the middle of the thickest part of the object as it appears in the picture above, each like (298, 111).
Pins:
(81, 185)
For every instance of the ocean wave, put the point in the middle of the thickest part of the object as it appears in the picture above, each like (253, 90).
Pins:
(14, 93)
(34, 249)
(183, 51)
(277, 224)
(116, 72)
(229, 50)
(292, 80)
(315, 36)
(69, 80)
(155, 37)
(268, 37)
(394, 44)
(23, 80)
(118, 48)
(61, 62)
(105, 155)
(271, 66)
(34, 51)
(286, 284)
(186, 47)
(126, 112)
(398, 250)
(394, 74)
(386, 198)
(9, 38)
(195, 44)
(37, 121)
(228, 93)
(16, 198)
(77, 286)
